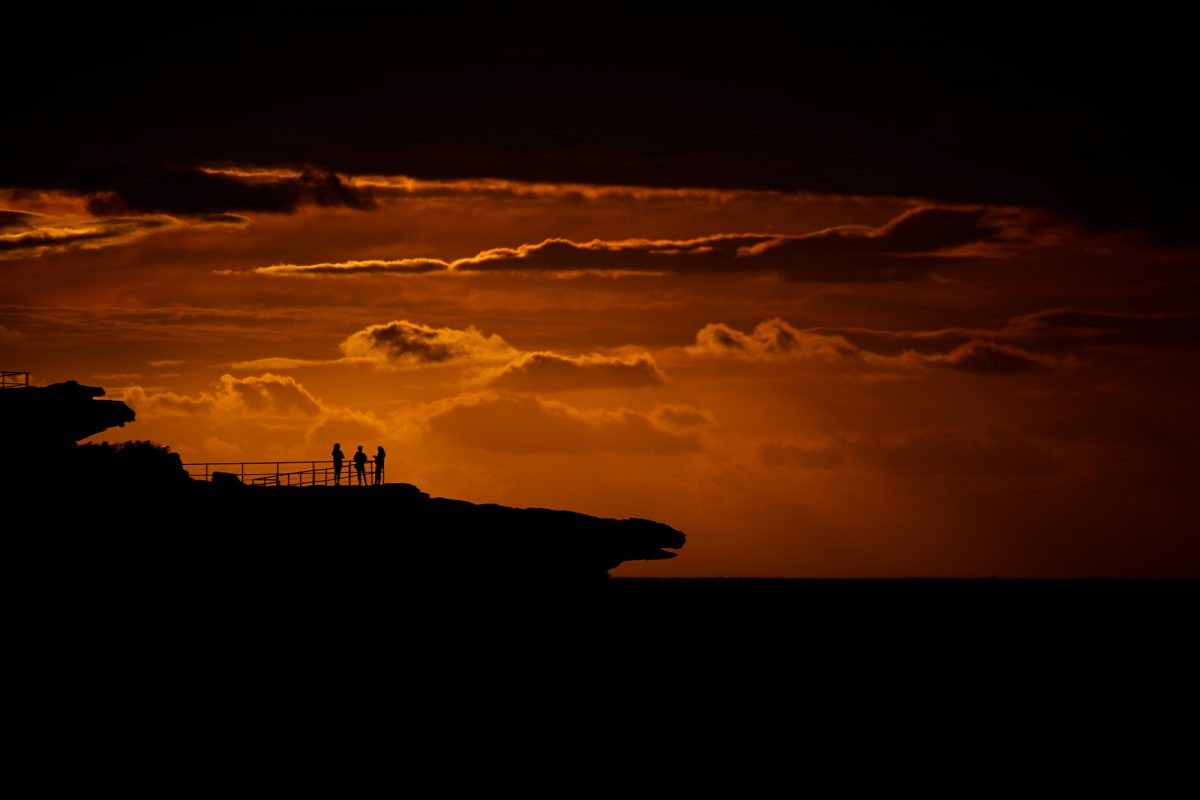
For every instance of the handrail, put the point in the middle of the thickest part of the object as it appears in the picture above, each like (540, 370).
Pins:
(13, 379)
(319, 472)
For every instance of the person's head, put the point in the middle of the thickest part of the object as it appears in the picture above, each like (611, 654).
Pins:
(337, 446)
(360, 448)
(379, 449)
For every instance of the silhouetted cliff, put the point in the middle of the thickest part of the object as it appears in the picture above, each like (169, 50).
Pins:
(129, 512)
(50, 418)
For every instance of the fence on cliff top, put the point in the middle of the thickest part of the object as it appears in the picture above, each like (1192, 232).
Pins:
(281, 473)
(11, 379)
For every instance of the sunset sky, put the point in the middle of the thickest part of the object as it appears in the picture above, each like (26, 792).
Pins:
(863, 306)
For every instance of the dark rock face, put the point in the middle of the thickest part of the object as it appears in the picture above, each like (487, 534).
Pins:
(161, 525)
(54, 417)
(399, 533)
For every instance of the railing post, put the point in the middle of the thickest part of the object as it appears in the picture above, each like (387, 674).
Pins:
(318, 472)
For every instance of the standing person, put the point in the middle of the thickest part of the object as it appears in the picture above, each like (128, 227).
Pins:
(380, 455)
(338, 458)
(360, 466)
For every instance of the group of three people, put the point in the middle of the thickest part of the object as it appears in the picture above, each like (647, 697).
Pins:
(360, 464)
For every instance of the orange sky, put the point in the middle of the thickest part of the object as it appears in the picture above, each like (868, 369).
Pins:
(807, 385)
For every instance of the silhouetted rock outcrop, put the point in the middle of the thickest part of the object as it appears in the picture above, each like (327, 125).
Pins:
(162, 525)
(109, 467)
(436, 537)
(57, 416)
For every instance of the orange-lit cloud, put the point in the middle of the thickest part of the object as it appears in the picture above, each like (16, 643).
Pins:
(403, 345)
(772, 339)
(31, 235)
(267, 394)
(977, 356)
(530, 425)
(905, 248)
(491, 190)
(551, 372)
(775, 339)
(267, 403)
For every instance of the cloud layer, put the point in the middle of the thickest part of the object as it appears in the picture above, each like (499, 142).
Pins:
(264, 395)
(531, 425)
(402, 345)
(1043, 340)
(906, 248)
(204, 191)
(551, 372)
(775, 339)
(25, 234)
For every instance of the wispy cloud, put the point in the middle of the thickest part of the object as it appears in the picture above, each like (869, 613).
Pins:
(777, 340)
(25, 234)
(404, 345)
(526, 424)
(905, 248)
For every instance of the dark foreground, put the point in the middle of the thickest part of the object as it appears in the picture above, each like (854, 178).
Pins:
(716, 658)
(939, 609)
(879, 618)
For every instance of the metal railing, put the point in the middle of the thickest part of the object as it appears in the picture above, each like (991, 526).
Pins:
(10, 379)
(282, 473)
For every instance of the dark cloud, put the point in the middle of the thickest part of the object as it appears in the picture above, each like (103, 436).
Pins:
(16, 220)
(33, 235)
(903, 249)
(529, 425)
(1055, 329)
(777, 340)
(1113, 328)
(551, 372)
(906, 248)
(195, 191)
(1043, 340)
(1081, 115)
(990, 358)
(889, 343)
(221, 218)
(405, 344)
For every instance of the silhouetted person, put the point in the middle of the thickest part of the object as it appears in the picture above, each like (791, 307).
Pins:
(380, 455)
(338, 458)
(360, 466)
